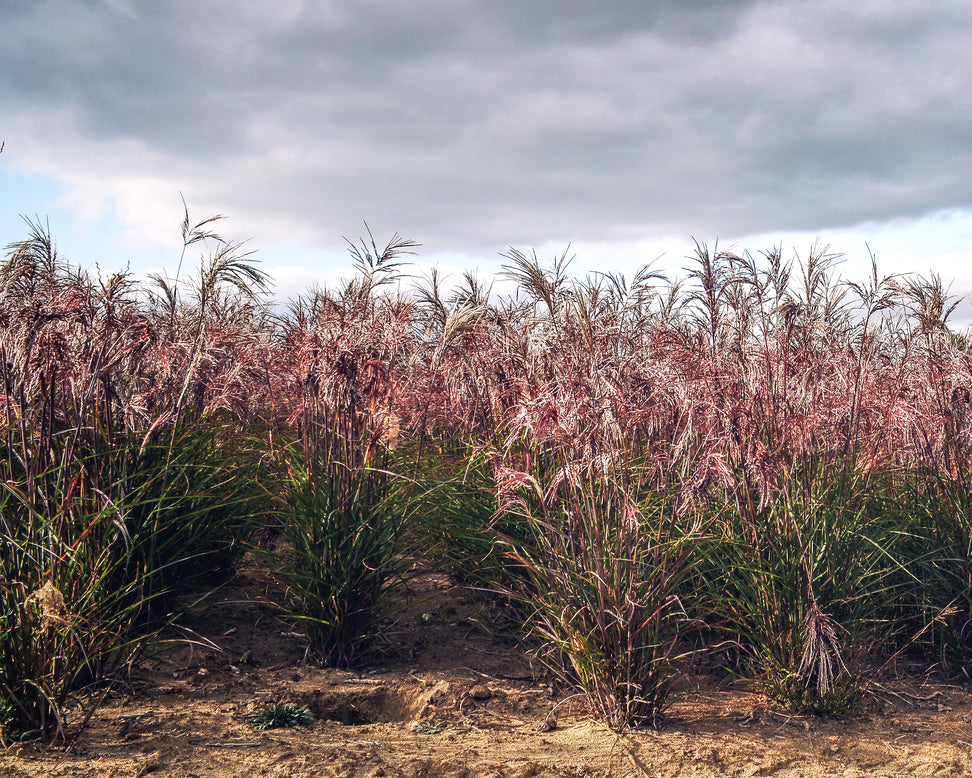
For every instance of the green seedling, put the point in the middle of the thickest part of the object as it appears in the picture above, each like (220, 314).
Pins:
(285, 715)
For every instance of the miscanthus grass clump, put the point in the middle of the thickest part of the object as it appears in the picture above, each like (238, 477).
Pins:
(116, 488)
(605, 565)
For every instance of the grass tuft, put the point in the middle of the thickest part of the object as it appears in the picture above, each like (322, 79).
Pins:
(283, 715)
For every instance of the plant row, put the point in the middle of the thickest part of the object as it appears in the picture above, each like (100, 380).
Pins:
(757, 462)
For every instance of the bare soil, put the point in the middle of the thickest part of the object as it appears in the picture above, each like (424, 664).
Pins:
(451, 694)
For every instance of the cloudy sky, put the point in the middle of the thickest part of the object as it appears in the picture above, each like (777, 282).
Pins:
(622, 128)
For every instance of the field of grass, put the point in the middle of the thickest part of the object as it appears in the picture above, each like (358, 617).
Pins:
(754, 463)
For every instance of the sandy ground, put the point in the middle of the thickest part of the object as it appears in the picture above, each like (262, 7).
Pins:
(452, 695)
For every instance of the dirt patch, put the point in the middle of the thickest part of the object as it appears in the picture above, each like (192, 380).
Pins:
(451, 694)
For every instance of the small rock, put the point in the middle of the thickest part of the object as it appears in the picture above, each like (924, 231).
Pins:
(480, 692)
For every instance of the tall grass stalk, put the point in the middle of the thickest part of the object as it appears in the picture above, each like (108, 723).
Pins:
(82, 566)
(342, 514)
(802, 584)
(605, 562)
(342, 548)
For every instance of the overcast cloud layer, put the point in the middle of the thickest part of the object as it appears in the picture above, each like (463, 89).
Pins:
(472, 126)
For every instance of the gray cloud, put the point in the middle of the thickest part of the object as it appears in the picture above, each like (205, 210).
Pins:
(472, 125)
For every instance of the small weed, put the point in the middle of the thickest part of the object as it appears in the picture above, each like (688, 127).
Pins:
(285, 715)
